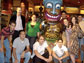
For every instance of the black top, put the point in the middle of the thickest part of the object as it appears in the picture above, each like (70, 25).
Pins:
(22, 17)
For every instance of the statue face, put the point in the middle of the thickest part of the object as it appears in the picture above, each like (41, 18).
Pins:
(52, 9)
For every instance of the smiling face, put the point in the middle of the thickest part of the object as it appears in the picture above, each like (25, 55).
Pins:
(65, 22)
(33, 17)
(60, 43)
(80, 18)
(41, 40)
(52, 9)
(73, 20)
(19, 11)
(22, 35)
(63, 15)
(12, 26)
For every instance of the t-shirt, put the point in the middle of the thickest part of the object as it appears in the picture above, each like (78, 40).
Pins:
(60, 51)
(32, 31)
(18, 23)
(20, 45)
(40, 48)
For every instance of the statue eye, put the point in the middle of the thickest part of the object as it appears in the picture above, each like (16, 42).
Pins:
(58, 6)
(49, 5)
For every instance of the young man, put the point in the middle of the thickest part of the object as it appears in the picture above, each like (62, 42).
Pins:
(40, 56)
(5, 40)
(64, 16)
(81, 40)
(20, 22)
(20, 43)
(60, 52)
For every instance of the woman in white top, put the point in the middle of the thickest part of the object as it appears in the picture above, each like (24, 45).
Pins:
(39, 48)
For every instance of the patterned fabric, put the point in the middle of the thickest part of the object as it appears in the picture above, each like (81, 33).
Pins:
(6, 32)
(76, 32)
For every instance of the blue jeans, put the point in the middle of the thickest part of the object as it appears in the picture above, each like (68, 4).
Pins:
(81, 42)
(1, 56)
(8, 52)
(63, 60)
(26, 56)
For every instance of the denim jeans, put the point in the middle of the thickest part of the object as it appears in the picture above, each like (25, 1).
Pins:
(8, 52)
(81, 42)
(63, 60)
(1, 56)
(26, 56)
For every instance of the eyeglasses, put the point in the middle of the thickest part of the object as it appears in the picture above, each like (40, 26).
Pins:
(41, 39)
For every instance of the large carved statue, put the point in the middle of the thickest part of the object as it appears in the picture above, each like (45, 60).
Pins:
(51, 26)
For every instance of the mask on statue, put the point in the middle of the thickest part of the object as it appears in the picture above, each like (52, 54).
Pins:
(52, 9)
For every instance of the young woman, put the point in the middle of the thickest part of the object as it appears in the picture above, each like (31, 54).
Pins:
(66, 32)
(33, 30)
(42, 52)
(74, 44)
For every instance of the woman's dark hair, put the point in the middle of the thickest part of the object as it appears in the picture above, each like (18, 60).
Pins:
(29, 19)
(32, 15)
(64, 27)
(40, 36)
(75, 19)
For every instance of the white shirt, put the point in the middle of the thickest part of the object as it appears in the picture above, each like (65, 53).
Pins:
(60, 51)
(40, 48)
(19, 23)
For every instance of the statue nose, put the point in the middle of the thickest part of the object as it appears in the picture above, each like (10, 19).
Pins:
(54, 11)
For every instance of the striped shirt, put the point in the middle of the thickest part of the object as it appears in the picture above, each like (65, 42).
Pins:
(6, 32)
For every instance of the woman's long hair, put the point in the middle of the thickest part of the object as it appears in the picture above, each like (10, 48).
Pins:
(64, 27)
(75, 19)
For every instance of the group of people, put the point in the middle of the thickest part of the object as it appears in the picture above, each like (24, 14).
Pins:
(73, 35)
(31, 44)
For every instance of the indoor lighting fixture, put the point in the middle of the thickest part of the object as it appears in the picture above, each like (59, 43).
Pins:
(78, 1)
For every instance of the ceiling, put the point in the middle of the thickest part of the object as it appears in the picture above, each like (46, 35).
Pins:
(74, 3)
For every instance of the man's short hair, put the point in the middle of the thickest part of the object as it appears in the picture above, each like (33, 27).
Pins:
(12, 21)
(60, 39)
(63, 12)
(80, 15)
(21, 31)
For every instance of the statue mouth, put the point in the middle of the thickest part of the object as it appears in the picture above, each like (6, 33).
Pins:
(52, 17)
